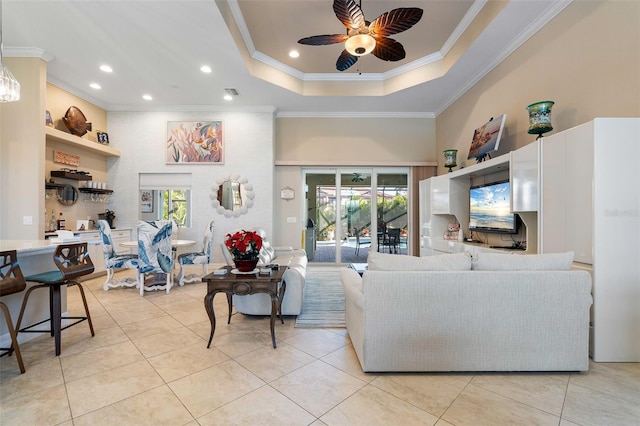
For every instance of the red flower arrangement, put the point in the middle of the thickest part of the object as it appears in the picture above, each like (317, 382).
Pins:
(244, 245)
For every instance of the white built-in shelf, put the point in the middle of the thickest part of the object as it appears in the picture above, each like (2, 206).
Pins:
(492, 165)
(73, 140)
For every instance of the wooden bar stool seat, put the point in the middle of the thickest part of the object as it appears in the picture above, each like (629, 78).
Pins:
(11, 281)
(73, 261)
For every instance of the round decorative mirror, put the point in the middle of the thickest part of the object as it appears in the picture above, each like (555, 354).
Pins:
(67, 195)
(232, 195)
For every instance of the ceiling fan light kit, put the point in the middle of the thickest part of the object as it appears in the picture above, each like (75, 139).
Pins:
(365, 37)
(360, 45)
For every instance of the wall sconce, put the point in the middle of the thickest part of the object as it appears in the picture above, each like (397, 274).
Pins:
(540, 118)
(450, 156)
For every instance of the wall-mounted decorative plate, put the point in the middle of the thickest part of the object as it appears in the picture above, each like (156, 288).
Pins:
(287, 193)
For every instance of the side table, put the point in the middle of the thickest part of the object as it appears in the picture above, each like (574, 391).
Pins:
(242, 285)
(358, 267)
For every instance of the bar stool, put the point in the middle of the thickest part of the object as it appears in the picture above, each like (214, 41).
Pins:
(73, 261)
(11, 281)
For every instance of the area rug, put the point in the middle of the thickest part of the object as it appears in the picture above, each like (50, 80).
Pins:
(323, 304)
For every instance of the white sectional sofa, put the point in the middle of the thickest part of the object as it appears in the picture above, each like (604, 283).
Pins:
(295, 277)
(499, 312)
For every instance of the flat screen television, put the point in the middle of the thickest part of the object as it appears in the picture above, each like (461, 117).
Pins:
(490, 208)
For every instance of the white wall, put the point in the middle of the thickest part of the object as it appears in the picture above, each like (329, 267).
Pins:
(586, 60)
(348, 141)
(249, 151)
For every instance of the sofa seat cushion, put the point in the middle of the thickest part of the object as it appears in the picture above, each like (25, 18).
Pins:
(394, 262)
(517, 262)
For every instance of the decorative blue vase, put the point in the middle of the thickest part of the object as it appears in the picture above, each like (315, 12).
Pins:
(540, 117)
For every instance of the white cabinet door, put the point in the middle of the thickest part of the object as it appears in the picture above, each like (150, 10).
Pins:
(567, 198)
(616, 242)
(425, 217)
(95, 250)
(524, 178)
(120, 236)
(440, 194)
(579, 194)
(552, 217)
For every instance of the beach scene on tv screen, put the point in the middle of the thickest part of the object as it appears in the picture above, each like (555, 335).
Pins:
(489, 207)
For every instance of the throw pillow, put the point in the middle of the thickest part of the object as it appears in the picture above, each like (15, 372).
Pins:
(522, 262)
(394, 262)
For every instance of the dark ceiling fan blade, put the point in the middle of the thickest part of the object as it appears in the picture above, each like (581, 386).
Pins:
(388, 49)
(345, 60)
(349, 13)
(321, 40)
(395, 21)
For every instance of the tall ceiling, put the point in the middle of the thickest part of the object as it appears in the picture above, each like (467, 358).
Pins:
(158, 47)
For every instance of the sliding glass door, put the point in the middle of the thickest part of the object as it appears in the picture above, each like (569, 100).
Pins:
(351, 211)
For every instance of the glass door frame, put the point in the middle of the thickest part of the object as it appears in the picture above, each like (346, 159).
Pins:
(337, 172)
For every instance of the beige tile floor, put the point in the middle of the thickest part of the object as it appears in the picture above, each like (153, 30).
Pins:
(148, 365)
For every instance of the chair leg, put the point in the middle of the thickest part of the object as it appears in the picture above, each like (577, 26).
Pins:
(24, 305)
(181, 276)
(110, 275)
(84, 302)
(14, 338)
(141, 283)
(56, 315)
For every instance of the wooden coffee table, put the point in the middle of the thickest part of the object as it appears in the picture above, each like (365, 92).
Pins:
(242, 285)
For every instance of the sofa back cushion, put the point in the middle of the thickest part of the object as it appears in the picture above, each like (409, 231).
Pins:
(394, 262)
(525, 262)
(267, 252)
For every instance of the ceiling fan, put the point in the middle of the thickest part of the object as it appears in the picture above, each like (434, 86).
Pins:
(364, 37)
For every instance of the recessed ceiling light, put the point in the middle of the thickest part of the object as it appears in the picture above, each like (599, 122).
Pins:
(95, 86)
(147, 97)
(228, 97)
(294, 54)
(205, 69)
(106, 68)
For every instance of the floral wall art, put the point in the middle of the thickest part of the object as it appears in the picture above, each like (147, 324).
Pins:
(193, 142)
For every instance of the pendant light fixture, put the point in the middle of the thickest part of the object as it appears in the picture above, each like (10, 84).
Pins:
(9, 86)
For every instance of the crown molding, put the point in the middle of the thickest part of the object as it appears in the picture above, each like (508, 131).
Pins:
(191, 108)
(332, 163)
(27, 52)
(353, 114)
(554, 9)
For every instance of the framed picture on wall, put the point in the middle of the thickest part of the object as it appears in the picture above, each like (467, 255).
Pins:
(146, 201)
(194, 142)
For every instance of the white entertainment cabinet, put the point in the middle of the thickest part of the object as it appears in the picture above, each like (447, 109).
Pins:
(575, 190)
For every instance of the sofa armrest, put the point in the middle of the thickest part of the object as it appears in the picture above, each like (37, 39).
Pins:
(354, 310)
(289, 251)
(283, 248)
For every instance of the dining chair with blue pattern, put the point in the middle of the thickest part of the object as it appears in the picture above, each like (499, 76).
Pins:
(197, 258)
(155, 258)
(114, 261)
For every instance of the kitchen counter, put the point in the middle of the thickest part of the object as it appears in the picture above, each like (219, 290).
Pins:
(31, 247)
(86, 231)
